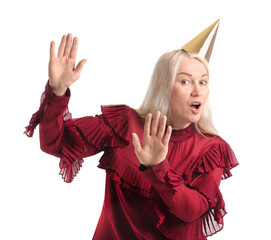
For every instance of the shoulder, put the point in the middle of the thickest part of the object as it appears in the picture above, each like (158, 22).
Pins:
(118, 111)
(206, 141)
(121, 118)
(215, 153)
(115, 108)
(115, 113)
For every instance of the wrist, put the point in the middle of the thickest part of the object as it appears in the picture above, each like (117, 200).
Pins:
(60, 92)
(55, 96)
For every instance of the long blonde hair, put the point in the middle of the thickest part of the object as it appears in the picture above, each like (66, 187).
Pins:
(160, 87)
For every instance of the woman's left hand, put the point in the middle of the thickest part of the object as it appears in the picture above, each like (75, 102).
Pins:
(155, 141)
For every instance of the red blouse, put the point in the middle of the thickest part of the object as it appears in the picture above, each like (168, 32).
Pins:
(178, 198)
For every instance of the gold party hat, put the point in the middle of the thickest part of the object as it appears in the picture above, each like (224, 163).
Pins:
(203, 43)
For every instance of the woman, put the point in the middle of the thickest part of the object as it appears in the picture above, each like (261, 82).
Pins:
(163, 162)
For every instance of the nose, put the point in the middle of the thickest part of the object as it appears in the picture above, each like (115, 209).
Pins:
(195, 91)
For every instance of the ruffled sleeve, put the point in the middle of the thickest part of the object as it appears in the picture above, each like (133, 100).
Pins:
(194, 209)
(48, 97)
(73, 139)
(219, 156)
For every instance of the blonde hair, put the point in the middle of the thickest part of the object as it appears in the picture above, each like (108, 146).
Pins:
(157, 97)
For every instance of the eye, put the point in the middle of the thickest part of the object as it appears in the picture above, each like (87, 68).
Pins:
(203, 82)
(185, 82)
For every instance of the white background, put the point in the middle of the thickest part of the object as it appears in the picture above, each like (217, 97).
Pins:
(122, 41)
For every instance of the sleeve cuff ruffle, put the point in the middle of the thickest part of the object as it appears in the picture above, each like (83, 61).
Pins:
(72, 148)
(47, 96)
(218, 156)
(212, 220)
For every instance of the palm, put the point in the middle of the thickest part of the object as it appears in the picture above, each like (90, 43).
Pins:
(155, 141)
(62, 70)
(153, 148)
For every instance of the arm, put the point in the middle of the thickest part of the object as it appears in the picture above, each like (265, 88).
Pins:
(54, 103)
(185, 203)
(64, 137)
(51, 127)
(57, 129)
(71, 139)
(58, 137)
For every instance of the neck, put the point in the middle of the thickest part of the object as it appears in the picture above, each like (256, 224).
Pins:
(177, 125)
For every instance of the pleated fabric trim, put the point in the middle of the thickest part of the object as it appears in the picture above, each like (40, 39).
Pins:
(123, 172)
(72, 148)
(129, 180)
(46, 97)
(94, 131)
(33, 123)
(118, 118)
(97, 134)
(220, 155)
(37, 116)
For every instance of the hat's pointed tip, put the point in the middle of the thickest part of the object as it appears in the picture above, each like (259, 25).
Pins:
(202, 44)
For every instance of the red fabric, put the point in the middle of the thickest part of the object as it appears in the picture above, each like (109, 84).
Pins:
(178, 198)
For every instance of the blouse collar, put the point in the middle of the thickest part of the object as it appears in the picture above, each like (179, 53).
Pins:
(179, 135)
(182, 134)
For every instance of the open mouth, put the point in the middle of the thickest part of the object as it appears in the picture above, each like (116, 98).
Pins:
(195, 105)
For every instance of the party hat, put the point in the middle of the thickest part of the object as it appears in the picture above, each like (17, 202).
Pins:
(203, 43)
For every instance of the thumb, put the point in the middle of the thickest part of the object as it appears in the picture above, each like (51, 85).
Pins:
(136, 142)
(80, 66)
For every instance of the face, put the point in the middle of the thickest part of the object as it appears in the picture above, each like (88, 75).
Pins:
(189, 93)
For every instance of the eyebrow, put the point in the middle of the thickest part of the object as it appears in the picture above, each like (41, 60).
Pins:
(190, 75)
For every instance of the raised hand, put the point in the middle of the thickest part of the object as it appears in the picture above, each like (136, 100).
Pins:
(62, 70)
(155, 141)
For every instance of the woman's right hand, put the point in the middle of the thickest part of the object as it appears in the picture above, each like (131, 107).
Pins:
(62, 70)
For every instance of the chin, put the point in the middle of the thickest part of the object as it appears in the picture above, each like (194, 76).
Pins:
(194, 119)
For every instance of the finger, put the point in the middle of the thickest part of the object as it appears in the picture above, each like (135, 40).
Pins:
(74, 48)
(147, 126)
(155, 123)
(62, 46)
(80, 66)
(167, 136)
(162, 127)
(52, 51)
(68, 45)
(136, 143)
